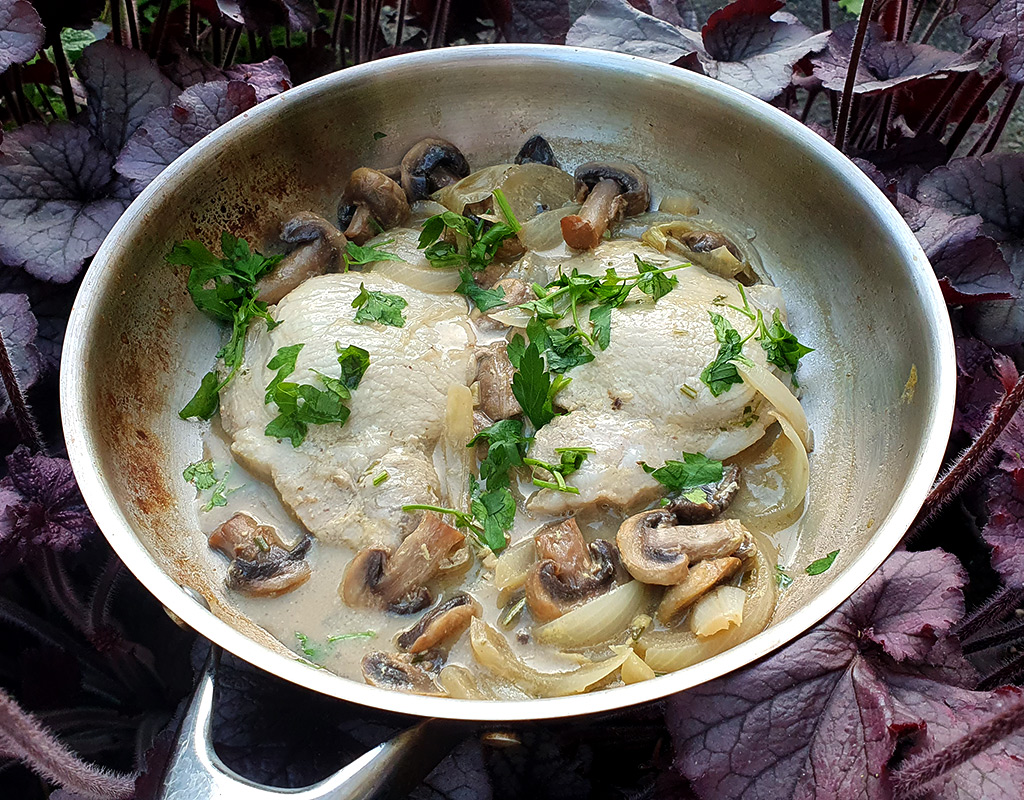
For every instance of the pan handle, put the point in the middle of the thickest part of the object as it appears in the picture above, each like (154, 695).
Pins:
(390, 770)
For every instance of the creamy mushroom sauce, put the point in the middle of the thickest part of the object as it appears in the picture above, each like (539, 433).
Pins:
(317, 612)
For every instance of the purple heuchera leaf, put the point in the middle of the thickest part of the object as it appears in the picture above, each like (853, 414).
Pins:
(268, 78)
(40, 505)
(1004, 531)
(51, 306)
(21, 32)
(123, 86)
(168, 132)
(998, 21)
(979, 386)
(58, 198)
(746, 44)
(19, 328)
(824, 716)
(538, 21)
(992, 186)
(884, 64)
(262, 14)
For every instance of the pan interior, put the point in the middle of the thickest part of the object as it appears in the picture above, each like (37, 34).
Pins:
(858, 288)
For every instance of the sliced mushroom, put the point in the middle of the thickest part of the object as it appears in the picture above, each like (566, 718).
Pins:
(568, 572)
(319, 248)
(397, 581)
(608, 192)
(261, 564)
(495, 372)
(708, 241)
(441, 625)
(403, 672)
(372, 203)
(702, 578)
(537, 151)
(716, 498)
(656, 549)
(431, 164)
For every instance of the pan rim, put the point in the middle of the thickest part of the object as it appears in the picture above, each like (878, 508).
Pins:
(81, 445)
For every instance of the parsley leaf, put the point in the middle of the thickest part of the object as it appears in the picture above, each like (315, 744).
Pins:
(356, 255)
(477, 240)
(284, 362)
(353, 361)
(781, 346)
(534, 388)
(203, 475)
(652, 280)
(379, 307)
(693, 471)
(483, 299)
(721, 373)
(601, 322)
(782, 578)
(571, 459)
(225, 289)
(495, 510)
(822, 564)
(506, 447)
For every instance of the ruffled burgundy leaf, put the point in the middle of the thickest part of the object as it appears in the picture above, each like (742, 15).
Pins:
(168, 132)
(884, 64)
(538, 21)
(978, 385)
(123, 86)
(998, 21)
(21, 32)
(820, 718)
(187, 68)
(40, 506)
(992, 186)
(19, 328)
(50, 306)
(263, 14)
(1004, 530)
(268, 78)
(58, 199)
(677, 12)
(746, 44)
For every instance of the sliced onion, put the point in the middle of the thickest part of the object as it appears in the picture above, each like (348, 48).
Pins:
(664, 236)
(493, 652)
(529, 188)
(415, 270)
(457, 459)
(513, 317)
(668, 650)
(718, 610)
(635, 669)
(773, 480)
(473, 188)
(778, 394)
(685, 204)
(544, 231)
(459, 681)
(598, 620)
(514, 563)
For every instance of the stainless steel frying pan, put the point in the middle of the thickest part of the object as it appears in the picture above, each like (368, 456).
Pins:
(858, 285)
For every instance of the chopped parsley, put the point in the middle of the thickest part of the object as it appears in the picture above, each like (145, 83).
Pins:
(300, 405)
(532, 385)
(653, 281)
(483, 299)
(495, 511)
(782, 578)
(506, 446)
(379, 307)
(477, 240)
(203, 475)
(223, 288)
(571, 459)
(822, 564)
(356, 255)
(694, 471)
(781, 346)
(379, 479)
(314, 652)
(721, 373)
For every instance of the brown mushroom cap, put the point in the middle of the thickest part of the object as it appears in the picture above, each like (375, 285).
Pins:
(380, 204)
(440, 625)
(568, 570)
(402, 672)
(657, 550)
(319, 248)
(634, 196)
(716, 498)
(261, 564)
(536, 151)
(397, 581)
(702, 577)
(431, 164)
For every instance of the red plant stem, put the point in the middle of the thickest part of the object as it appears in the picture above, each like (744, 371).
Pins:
(60, 591)
(914, 778)
(901, 20)
(942, 104)
(28, 430)
(133, 23)
(1010, 672)
(400, 29)
(375, 18)
(973, 112)
(24, 739)
(1002, 635)
(27, 109)
(439, 24)
(851, 75)
(64, 75)
(156, 37)
(193, 23)
(357, 31)
(826, 15)
(996, 607)
(12, 102)
(914, 18)
(1005, 110)
(862, 113)
(115, 21)
(232, 48)
(971, 462)
(883, 120)
(336, 25)
(99, 603)
(253, 44)
(940, 14)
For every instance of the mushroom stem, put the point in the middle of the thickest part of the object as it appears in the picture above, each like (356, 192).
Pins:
(361, 229)
(583, 231)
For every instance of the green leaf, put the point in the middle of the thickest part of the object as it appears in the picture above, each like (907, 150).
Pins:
(344, 637)
(531, 386)
(515, 350)
(379, 307)
(284, 362)
(200, 474)
(287, 427)
(355, 254)
(822, 564)
(307, 648)
(565, 349)
(378, 135)
(572, 458)
(781, 346)
(506, 447)
(852, 6)
(652, 281)
(483, 299)
(601, 322)
(694, 470)
(204, 402)
(353, 361)
(721, 373)
(782, 578)
(495, 510)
